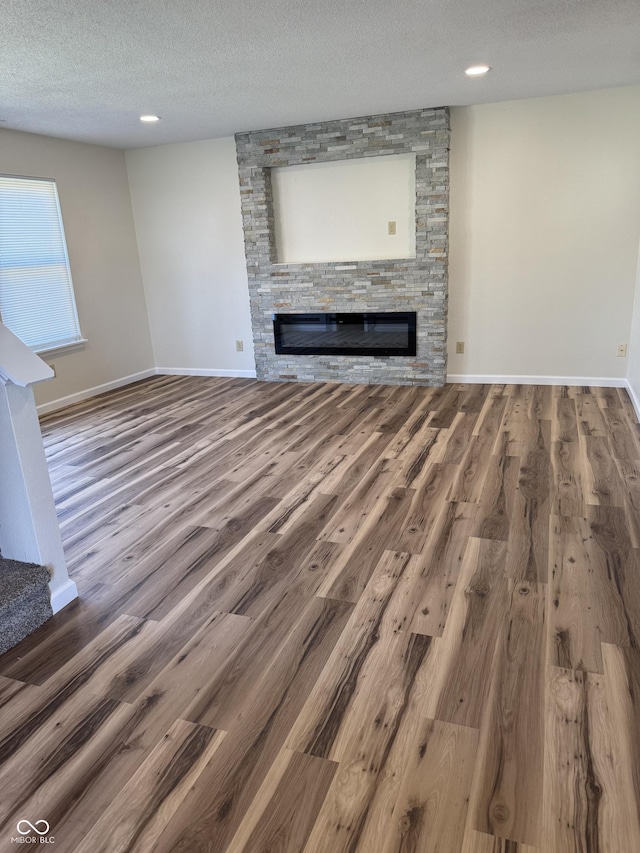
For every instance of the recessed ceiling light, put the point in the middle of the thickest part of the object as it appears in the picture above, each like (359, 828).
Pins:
(477, 70)
(149, 118)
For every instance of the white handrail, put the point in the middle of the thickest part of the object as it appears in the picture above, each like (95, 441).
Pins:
(18, 363)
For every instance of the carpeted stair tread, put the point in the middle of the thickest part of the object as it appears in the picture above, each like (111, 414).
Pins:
(25, 600)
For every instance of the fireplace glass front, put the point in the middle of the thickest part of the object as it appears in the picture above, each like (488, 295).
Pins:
(368, 333)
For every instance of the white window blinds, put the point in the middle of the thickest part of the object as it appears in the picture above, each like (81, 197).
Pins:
(36, 292)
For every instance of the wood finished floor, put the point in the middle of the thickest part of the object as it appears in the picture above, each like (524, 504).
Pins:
(330, 618)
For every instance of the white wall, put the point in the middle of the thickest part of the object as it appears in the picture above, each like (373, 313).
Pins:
(96, 210)
(545, 222)
(545, 219)
(340, 211)
(186, 204)
(633, 374)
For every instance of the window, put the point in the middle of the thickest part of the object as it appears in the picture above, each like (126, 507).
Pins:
(36, 292)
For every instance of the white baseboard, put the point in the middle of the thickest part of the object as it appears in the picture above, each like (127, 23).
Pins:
(67, 593)
(61, 402)
(596, 381)
(633, 396)
(188, 371)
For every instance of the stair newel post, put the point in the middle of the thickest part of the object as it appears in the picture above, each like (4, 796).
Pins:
(29, 529)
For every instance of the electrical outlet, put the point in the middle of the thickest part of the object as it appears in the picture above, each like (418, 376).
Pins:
(391, 228)
(239, 346)
(622, 351)
(53, 367)
(459, 347)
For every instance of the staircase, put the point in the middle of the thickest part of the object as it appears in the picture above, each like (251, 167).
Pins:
(29, 532)
(25, 601)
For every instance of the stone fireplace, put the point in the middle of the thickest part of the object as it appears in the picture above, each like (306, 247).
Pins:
(416, 284)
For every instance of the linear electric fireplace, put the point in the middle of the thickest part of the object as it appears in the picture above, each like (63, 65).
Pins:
(369, 333)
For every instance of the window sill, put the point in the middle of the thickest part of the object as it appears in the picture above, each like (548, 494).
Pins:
(63, 349)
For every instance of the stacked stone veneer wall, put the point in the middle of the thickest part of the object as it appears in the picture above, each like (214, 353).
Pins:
(415, 284)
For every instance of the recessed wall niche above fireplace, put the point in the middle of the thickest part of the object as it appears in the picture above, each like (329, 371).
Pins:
(415, 284)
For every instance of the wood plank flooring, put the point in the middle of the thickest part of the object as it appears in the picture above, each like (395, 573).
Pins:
(336, 619)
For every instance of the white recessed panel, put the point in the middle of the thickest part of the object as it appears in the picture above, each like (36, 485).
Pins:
(345, 210)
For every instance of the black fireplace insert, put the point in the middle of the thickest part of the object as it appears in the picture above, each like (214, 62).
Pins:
(368, 333)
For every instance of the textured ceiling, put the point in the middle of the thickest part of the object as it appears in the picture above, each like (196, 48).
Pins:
(86, 69)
